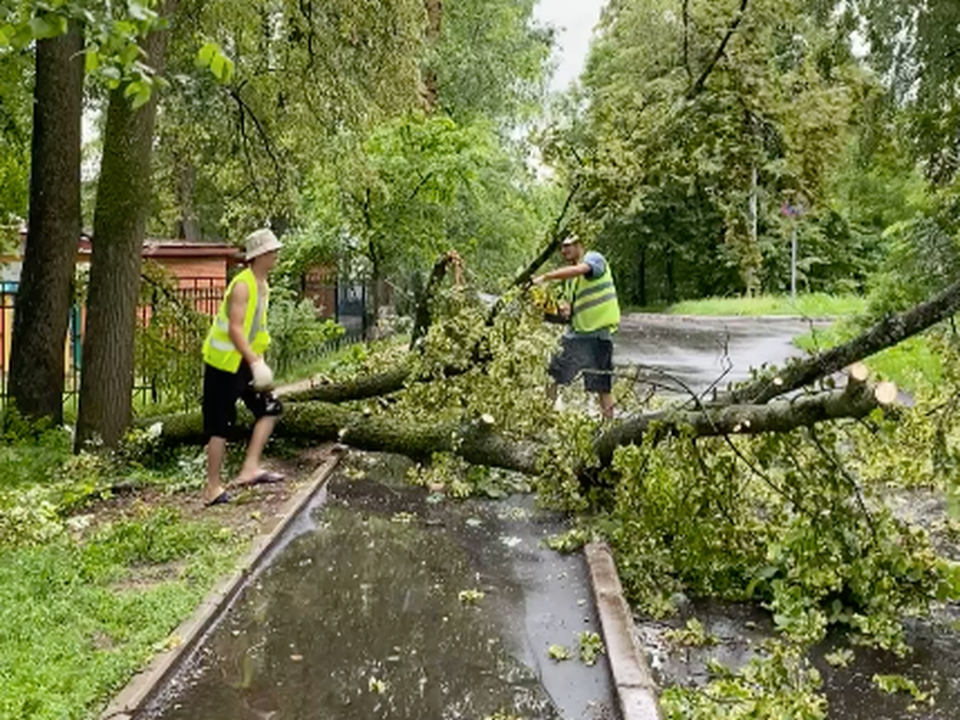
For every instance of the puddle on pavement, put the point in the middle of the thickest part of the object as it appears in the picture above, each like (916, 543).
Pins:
(851, 692)
(362, 617)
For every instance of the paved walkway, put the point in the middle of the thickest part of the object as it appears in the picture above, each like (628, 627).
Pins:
(389, 605)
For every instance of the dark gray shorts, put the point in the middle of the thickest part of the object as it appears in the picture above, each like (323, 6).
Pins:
(593, 356)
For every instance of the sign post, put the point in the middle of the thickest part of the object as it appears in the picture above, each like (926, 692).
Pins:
(794, 212)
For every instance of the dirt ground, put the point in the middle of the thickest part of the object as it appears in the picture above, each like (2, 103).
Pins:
(252, 510)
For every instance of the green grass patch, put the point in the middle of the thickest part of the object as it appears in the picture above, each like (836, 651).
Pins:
(84, 602)
(814, 305)
(80, 616)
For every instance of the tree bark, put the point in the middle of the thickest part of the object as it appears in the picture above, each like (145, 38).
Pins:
(123, 199)
(429, 91)
(360, 388)
(314, 422)
(481, 444)
(855, 401)
(43, 298)
(890, 331)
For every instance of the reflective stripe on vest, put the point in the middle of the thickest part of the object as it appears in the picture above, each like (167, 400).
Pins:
(218, 348)
(594, 305)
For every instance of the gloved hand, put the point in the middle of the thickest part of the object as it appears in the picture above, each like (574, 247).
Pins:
(262, 375)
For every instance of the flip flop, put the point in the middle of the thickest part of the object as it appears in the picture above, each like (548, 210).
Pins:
(220, 499)
(267, 478)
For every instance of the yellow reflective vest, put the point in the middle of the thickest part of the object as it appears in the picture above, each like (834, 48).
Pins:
(218, 348)
(593, 303)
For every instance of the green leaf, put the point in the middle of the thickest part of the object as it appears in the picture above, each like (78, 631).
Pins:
(111, 75)
(91, 61)
(22, 38)
(129, 54)
(139, 12)
(216, 66)
(142, 97)
(206, 54)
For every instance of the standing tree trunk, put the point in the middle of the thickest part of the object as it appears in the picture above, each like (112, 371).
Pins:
(429, 90)
(123, 199)
(43, 299)
(188, 226)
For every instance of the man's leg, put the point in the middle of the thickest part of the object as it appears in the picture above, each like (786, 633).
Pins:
(266, 408)
(599, 378)
(563, 368)
(606, 404)
(258, 440)
(216, 449)
(219, 412)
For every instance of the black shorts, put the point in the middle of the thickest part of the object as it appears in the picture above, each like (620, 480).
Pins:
(222, 389)
(591, 355)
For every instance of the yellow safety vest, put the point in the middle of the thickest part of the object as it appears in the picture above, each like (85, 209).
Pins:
(593, 303)
(218, 348)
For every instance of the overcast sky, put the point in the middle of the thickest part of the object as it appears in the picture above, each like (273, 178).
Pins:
(574, 21)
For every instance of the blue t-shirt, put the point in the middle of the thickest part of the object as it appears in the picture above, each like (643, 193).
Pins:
(597, 263)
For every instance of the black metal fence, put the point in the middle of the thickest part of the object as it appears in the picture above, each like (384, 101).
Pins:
(171, 324)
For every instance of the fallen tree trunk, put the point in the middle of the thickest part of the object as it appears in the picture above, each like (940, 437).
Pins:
(315, 422)
(888, 332)
(857, 400)
(360, 388)
(479, 443)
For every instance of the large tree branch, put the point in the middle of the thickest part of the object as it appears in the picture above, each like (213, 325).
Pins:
(855, 401)
(479, 443)
(888, 332)
(315, 422)
(554, 240)
(701, 82)
(359, 388)
(422, 315)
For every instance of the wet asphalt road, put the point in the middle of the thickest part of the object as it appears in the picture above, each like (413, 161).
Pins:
(360, 616)
(700, 351)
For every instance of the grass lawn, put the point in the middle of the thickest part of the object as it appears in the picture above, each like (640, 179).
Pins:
(814, 305)
(94, 578)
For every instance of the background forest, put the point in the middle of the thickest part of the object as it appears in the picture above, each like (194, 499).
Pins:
(378, 137)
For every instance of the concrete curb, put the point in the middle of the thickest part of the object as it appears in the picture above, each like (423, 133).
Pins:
(636, 690)
(142, 687)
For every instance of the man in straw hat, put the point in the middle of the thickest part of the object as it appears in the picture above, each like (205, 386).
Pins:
(235, 369)
(594, 314)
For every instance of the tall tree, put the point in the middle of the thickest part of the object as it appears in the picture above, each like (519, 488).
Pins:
(16, 102)
(43, 302)
(488, 60)
(123, 202)
(916, 47)
(703, 109)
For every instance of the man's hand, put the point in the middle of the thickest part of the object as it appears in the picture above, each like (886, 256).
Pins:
(564, 311)
(537, 280)
(262, 375)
